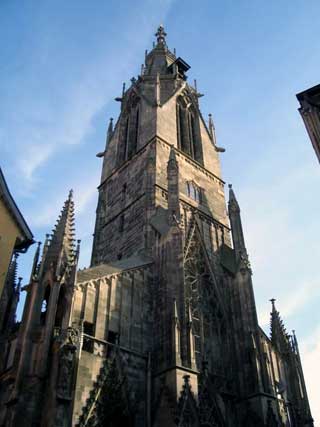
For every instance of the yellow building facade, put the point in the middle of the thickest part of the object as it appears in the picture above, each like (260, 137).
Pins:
(15, 235)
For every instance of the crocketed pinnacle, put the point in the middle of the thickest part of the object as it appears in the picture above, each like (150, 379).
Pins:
(12, 273)
(279, 336)
(61, 251)
(233, 203)
(172, 163)
(109, 132)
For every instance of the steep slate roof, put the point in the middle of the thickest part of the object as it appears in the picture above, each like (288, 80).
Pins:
(15, 213)
(103, 270)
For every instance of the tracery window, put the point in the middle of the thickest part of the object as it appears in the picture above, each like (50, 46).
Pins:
(188, 129)
(45, 305)
(194, 192)
(129, 129)
(61, 305)
(208, 326)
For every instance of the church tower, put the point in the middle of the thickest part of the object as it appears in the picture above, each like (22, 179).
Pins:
(167, 306)
(162, 329)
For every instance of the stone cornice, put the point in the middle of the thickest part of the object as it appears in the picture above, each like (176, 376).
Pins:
(193, 162)
(209, 218)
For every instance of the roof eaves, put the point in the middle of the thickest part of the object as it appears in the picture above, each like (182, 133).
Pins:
(15, 212)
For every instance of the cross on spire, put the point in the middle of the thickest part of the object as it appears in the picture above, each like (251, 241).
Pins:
(161, 35)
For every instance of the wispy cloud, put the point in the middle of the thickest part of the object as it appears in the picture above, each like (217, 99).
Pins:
(294, 302)
(84, 194)
(276, 223)
(62, 110)
(33, 157)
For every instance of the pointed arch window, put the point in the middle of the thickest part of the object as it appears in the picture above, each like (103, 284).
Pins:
(129, 129)
(60, 307)
(194, 191)
(188, 129)
(45, 305)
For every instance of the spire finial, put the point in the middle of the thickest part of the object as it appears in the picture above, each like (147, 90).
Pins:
(273, 300)
(233, 203)
(161, 35)
(172, 156)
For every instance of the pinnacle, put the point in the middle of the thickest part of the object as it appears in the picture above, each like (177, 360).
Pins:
(12, 272)
(172, 156)
(279, 334)
(62, 238)
(233, 203)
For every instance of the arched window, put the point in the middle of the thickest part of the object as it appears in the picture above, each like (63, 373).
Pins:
(133, 130)
(123, 140)
(45, 305)
(188, 129)
(129, 129)
(194, 192)
(60, 307)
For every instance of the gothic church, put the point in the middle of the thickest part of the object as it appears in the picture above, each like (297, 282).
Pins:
(162, 329)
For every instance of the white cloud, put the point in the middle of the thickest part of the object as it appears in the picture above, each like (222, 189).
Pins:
(275, 214)
(84, 194)
(292, 304)
(34, 155)
(50, 128)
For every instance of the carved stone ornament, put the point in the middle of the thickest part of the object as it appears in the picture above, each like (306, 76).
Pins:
(245, 263)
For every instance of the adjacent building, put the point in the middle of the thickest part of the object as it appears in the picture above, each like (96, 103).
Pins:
(162, 329)
(15, 235)
(310, 113)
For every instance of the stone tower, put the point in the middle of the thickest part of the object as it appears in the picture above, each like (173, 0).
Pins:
(162, 329)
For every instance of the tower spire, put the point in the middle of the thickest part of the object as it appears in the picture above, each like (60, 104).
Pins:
(236, 226)
(35, 262)
(279, 336)
(60, 252)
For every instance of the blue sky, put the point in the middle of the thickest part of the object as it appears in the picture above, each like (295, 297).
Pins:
(63, 63)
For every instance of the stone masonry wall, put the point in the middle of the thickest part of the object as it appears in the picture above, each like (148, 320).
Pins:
(115, 306)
